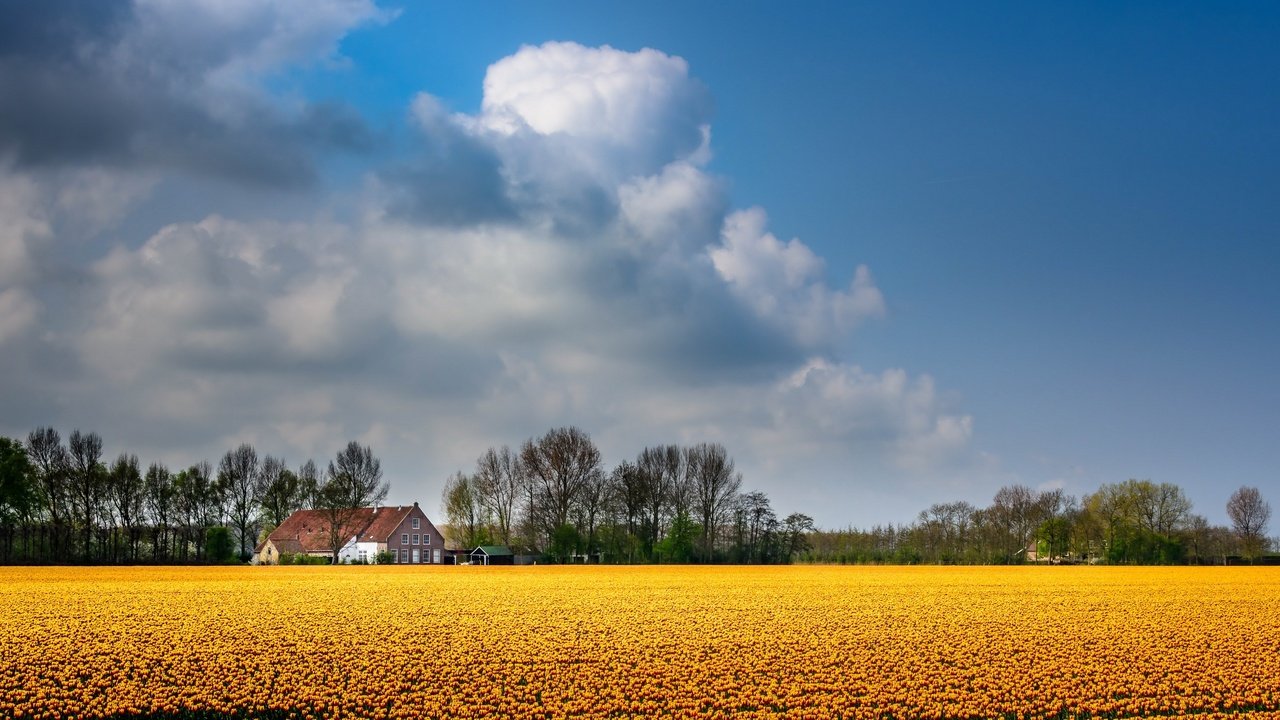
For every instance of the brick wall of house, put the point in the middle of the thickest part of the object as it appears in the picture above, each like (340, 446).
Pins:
(429, 541)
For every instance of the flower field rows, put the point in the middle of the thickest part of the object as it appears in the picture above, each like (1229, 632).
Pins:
(553, 642)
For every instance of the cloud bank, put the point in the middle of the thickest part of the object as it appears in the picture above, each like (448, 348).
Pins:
(564, 255)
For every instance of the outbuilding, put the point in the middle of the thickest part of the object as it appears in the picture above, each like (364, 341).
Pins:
(492, 555)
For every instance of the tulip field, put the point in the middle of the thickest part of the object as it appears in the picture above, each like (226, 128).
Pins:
(601, 642)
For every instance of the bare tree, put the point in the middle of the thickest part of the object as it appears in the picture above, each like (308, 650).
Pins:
(353, 481)
(160, 492)
(795, 529)
(52, 465)
(308, 484)
(631, 492)
(279, 491)
(86, 484)
(464, 511)
(561, 463)
(498, 480)
(759, 520)
(127, 495)
(1249, 515)
(680, 491)
(591, 505)
(238, 479)
(1017, 512)
(199, 504)
(651, 467)
(715, 485)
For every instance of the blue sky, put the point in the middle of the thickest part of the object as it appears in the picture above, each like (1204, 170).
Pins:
(309, 225)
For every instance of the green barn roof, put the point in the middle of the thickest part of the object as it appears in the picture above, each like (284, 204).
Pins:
(492, 550)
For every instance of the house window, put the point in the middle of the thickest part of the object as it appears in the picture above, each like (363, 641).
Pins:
(426, 539)
(415, 555)
(435, 554)
(364, 557)
(404, 555)
(415, 538)
(415, 523)
(404, 539)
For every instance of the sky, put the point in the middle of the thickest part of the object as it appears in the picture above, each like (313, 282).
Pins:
(887, 254)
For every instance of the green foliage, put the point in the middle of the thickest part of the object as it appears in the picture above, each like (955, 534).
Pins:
(1053, 538)
(384, 558)
(564, 541)
(679, 544)
(1138, 546)
(17, 489)
(303, 559)
(218, 546)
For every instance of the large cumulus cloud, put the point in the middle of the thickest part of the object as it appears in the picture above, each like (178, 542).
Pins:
(563, 255)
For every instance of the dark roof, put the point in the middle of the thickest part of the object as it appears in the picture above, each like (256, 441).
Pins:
(492, 550)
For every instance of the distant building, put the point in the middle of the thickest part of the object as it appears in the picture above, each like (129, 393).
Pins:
(404, 531)
(492, 555)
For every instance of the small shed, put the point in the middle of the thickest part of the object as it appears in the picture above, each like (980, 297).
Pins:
(492, 555)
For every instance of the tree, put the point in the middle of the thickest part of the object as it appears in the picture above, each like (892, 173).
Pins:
(795, 529)
(160, 493)
(17, 492)
(280, 491)
(679, 544)
(560, 463)
(353, 481)
(498, 480)
(464, 511)
(241, 487)
(715, 486)
(1017, 512)
(759, 521)
(630, 490)
(591, 505)
(308, 484)
(86, 481)
(51, 464)
(653, 468)
(127, 496)
(198, 501)
(1249, 515)
(218, 545)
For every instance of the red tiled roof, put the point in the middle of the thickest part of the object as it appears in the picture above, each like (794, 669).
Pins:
(385, 522)
(308, 530)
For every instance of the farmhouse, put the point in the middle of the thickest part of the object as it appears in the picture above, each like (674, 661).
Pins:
(403, 531)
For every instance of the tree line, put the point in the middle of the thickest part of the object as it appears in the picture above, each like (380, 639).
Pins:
(64, 503)
(1131, 522)
(553, 496)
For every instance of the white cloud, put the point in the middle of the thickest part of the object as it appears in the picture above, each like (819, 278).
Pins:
(602, 114)
(676, 209)
(221, 291)
(23, 222)
(17, 313)
(218, 51)
(598, 282)
(888, 412)
(783, 282)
